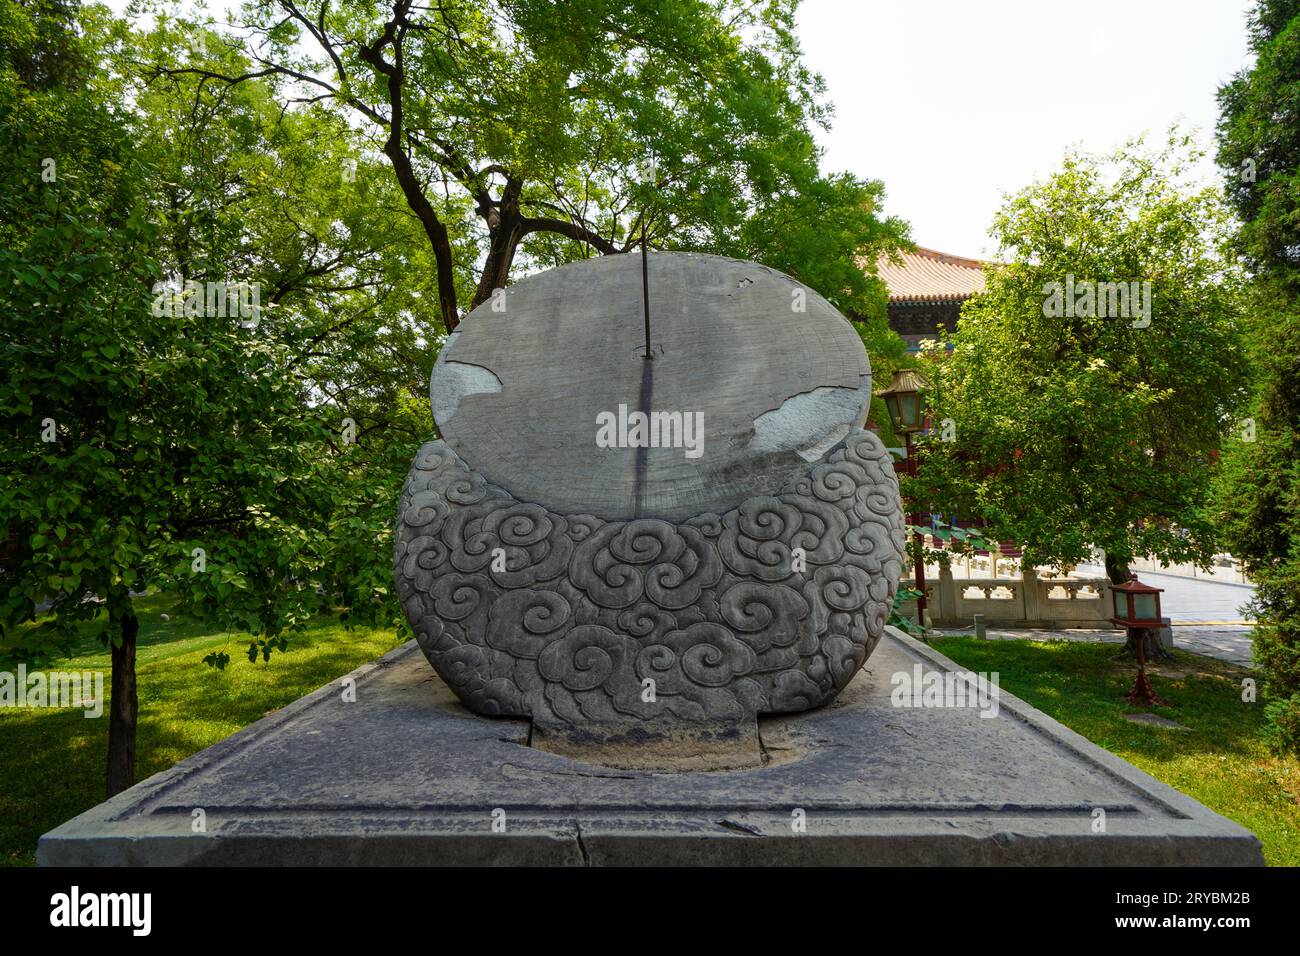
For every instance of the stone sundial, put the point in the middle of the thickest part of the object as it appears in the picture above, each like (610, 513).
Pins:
(628, 549)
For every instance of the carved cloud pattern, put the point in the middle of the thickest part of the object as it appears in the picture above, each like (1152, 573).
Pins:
(586, 609)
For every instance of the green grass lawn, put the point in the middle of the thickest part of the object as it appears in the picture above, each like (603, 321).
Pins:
(1220, 760)
(52, 761)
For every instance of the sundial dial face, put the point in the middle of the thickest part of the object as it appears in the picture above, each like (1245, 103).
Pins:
(753, 377)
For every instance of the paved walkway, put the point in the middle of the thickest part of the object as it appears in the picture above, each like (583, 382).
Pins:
(1227, 643)
(1193, 600)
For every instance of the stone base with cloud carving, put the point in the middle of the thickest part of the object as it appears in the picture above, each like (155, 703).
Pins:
(605, 627)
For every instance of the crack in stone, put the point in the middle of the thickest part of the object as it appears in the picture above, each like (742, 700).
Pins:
(570, 773)
(582, 846)
(743, 828)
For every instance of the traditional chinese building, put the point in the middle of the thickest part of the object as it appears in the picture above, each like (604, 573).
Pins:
(927, 290)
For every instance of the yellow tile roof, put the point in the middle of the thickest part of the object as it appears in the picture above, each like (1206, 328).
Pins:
(927, 275)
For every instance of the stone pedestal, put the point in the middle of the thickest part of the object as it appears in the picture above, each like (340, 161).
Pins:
(405, 774)
(1165, 634)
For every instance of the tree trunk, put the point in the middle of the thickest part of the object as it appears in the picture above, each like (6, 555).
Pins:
(434, 229)
(124, 708)
(505, 229)
(500, 257)
(1153, 650)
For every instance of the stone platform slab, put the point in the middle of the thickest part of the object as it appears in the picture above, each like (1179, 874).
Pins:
(406, 775)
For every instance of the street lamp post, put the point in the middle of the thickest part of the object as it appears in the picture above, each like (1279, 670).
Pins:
(1137, 608)
(905, 402)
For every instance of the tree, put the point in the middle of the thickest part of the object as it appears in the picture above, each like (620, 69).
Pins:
(286, 197)
(156, 435)
(1088, 413)
(543, 132)
(43, 51)
(1259, 500)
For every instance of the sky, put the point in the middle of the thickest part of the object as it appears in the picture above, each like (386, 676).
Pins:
(953, 103)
